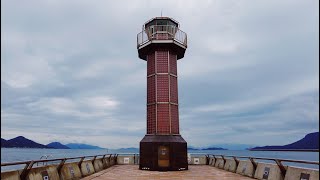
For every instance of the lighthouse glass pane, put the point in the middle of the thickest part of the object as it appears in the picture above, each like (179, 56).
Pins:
(172, 23)
(162, 22)
(152, 23)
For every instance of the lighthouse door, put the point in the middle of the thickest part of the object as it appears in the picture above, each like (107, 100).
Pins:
(163, 156)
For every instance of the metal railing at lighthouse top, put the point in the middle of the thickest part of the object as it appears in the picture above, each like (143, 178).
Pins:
(161, 32)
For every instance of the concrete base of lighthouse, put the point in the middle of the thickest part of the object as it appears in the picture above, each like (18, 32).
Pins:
(163, 153)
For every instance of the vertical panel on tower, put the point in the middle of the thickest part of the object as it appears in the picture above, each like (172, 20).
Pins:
(163, 121)
(173, 63)
(151, 89)
(174, 119)
(173, 89)
(151, 94)
(151, 119)
(162, 88)
(162, 61)
(151, 64)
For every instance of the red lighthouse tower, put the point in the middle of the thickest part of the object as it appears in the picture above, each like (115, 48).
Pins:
(161, 43)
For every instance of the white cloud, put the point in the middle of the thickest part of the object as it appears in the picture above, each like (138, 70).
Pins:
(101, 102)
(81, 107)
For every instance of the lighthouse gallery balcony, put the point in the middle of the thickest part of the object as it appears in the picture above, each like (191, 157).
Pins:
(163, 36)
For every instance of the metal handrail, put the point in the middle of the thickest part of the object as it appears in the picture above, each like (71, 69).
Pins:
(44, 156)
(154, 32)
(271, 159)
(48, 160)
(29, 164)
(276, 160)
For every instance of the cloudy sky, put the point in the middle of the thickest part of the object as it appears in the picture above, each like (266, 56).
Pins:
(70, 71)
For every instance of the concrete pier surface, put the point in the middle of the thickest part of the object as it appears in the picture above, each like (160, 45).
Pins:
(195, 172)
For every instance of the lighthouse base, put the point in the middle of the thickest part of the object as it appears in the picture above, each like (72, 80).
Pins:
(163, 153)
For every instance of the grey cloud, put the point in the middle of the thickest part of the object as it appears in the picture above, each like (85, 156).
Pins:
(251, 68)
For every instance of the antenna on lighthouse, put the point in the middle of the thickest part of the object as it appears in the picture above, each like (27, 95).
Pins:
(161, 12)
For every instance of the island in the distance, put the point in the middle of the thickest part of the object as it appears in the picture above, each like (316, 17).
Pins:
(207, 148)
(57, 145)
(22, 142)
(309, 143)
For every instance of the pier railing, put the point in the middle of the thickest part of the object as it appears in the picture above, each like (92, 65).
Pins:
(278, 161)
(29, 164)
(87, 165)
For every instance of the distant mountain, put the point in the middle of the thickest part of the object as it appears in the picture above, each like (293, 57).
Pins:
(129, 149)
(235, 146)
(309, 142)
(191, 148)
(21, 142)
(213, 148)
(205, 148)
(82, 146)
(57, 145)
(4, 143)
(126, 150)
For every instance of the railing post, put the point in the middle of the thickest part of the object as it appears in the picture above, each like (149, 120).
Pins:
(254, 164)
(207, 159)
(134, 158)
(282, 168)
(94, 158)
(224, 160)
(236, 160)
(81, 160)
(116, 159)
(104, 161)
(26, 170)
(61, 164)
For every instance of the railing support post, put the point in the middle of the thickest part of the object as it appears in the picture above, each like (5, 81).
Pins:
(81, 160)
(26, 170)
(94, 158)
(104, 164)
(116, 159)
(134, 158)
(236, 160)
(224, 160)
(282, 168)
(110, 159)
(207, 159)
(60, 165)
(254, 164)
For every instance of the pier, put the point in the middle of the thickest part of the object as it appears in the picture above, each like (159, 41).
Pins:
(126, 166)
(195, 172)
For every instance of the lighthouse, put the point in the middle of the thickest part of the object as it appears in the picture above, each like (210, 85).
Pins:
(161, 43)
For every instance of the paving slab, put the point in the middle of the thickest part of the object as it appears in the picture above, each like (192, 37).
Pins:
(195, 172)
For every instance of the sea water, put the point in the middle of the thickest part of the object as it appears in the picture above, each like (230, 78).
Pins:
(26, 154)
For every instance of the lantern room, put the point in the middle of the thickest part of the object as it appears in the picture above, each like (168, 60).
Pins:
(161, 32)
(161, 28)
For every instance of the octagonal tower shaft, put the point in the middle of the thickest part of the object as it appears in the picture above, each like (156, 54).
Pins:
(161, 43)
(162, 92)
